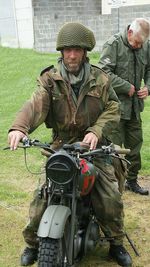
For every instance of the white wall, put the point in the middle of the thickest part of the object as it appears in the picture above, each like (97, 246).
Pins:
(24, 22)
(8, 33)
(107, 5)
(16, 23)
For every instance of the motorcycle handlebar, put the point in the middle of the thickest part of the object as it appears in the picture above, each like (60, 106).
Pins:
(122, 151)
(29, 143)
(107, 150)
(77, 147)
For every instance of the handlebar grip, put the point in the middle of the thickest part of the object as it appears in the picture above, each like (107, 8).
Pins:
(122, 151)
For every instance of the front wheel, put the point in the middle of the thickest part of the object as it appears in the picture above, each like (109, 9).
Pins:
(51, 253)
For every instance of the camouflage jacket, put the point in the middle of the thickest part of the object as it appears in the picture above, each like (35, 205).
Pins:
(96, 109)
(126, 66)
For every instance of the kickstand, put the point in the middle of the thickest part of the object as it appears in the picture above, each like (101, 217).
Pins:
(132, 245)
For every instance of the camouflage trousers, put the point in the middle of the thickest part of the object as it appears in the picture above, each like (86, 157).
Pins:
(106, 199)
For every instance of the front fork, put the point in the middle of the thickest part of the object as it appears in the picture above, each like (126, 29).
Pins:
(73, 223)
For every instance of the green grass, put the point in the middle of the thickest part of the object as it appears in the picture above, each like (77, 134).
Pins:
(18, 71)
(146, 143)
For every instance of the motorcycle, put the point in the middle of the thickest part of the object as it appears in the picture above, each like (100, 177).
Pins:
(68, 229)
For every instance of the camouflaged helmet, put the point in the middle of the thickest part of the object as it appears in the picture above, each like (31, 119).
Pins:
(74, 34)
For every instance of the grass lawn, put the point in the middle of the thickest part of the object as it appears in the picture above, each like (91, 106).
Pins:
(18, 71)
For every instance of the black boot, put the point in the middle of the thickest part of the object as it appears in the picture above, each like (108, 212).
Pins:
(120, 255)
(29, 256)
(133, 186)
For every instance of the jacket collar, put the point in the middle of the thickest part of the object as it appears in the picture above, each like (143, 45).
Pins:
(57, 76)
(124, 36)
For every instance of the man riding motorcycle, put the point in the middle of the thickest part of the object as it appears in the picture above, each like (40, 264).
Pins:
(77, 101)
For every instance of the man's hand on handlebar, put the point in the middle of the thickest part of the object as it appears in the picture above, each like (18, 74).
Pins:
(14, 137)
(91, 139)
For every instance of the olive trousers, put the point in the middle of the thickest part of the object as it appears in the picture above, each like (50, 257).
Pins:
(129, 134)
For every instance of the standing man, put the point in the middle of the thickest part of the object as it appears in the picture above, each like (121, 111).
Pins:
(126, 57)
(78, 103)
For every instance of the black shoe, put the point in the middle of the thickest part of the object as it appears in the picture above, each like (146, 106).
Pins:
(136, 188)
(120, 255)
(29, 256)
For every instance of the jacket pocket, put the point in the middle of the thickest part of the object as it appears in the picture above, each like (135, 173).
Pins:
(94, 105)
(95, 93)
(60, 108)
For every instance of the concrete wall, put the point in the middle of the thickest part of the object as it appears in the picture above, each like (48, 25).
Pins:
(17, 18)
(49, 16)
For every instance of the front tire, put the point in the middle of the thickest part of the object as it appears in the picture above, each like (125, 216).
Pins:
(50, 253)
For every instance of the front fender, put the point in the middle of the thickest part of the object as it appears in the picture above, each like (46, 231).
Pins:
(53, 221)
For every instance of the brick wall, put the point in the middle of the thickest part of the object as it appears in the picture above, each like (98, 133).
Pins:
(50, 15)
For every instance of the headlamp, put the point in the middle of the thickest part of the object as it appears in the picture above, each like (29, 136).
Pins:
(61, 167)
